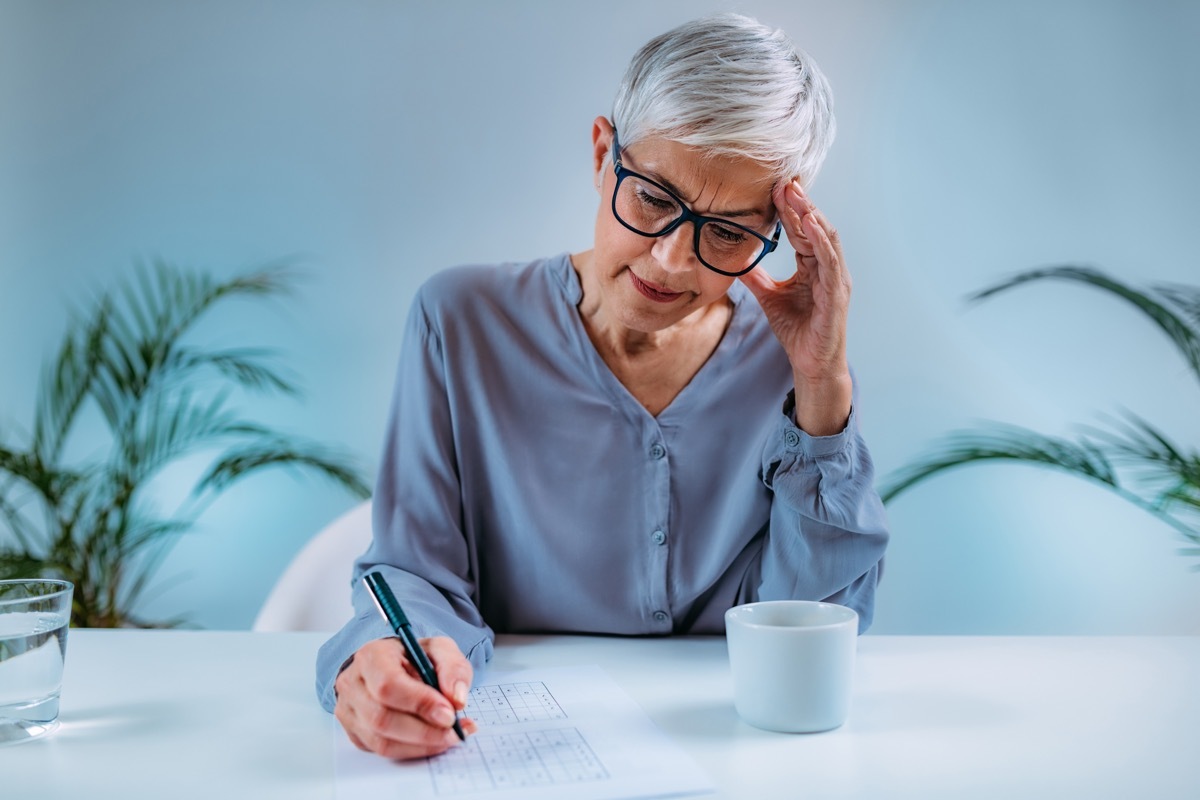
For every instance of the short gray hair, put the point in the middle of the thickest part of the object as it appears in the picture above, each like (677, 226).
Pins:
(731, 86)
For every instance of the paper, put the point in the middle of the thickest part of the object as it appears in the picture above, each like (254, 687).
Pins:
(549, 733)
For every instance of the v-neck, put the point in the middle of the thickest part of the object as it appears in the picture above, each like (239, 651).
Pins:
(705, 377)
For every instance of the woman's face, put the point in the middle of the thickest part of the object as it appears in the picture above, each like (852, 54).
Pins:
(646, 283)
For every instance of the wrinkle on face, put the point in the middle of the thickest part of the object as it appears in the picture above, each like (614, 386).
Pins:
(715, 185)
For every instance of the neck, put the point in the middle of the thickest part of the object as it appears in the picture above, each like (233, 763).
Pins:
(616, 340)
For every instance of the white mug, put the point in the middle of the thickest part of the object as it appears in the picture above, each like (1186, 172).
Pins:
(792, 663)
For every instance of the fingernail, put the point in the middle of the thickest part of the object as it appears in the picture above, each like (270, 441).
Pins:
(460, 693)
(443, 716)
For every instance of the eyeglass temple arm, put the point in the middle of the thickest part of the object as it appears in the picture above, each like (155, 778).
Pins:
(775, 237)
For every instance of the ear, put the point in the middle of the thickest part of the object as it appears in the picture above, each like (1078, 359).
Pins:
(602, 137)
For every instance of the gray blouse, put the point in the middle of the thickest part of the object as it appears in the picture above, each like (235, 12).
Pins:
(524, 489)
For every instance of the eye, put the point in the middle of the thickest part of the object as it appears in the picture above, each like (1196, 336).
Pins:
(727, 234)
(648, 197)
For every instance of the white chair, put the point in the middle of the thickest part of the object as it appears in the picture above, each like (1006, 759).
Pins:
(313, 594)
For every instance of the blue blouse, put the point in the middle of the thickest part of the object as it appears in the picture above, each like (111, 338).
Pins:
(524, 489)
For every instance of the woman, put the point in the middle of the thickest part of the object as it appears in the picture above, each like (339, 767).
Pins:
(633, 438)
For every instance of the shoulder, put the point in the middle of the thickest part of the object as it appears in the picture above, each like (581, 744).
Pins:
(486, 288)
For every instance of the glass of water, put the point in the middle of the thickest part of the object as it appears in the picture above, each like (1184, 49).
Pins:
(34, 615)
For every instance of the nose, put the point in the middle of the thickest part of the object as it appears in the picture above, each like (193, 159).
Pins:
(676, 251)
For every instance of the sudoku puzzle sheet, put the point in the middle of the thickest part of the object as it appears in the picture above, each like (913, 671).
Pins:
(503, 704)
(491, 760)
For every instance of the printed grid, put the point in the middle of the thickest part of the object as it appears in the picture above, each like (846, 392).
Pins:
(514, 760)
(507, 703)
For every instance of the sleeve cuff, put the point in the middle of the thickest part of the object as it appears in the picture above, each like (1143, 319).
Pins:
(796, 441)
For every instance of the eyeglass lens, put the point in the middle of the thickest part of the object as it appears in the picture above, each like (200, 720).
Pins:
(649, 209)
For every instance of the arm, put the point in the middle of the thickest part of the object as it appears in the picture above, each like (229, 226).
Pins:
(828, 529)
(421, 548)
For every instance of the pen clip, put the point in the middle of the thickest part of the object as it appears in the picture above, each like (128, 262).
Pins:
(385, 600)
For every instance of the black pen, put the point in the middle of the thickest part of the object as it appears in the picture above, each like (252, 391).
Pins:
(394, 614)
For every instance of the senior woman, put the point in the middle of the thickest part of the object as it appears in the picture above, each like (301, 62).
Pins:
(633, 438)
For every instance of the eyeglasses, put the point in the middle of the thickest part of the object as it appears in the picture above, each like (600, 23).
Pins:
(651, 209)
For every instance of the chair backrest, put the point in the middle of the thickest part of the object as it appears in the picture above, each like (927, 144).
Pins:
(313, 594)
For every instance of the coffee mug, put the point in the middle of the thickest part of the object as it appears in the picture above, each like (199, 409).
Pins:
(792, 663)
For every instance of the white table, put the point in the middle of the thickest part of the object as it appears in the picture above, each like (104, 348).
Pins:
(149, 714)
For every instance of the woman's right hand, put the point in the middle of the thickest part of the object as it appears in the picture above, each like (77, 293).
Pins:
(387, 709)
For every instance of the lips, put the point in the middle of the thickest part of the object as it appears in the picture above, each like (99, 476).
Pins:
(658, 294)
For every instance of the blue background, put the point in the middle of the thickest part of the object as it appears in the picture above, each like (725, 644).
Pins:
(379, 142)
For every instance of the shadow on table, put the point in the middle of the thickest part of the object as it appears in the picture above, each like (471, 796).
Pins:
(876, 712)
(885, 712)
(715, 720)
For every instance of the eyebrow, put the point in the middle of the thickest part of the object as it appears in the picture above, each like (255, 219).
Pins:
(736, 213)
(723, 215)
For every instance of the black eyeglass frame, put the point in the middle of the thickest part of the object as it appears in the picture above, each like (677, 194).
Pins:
(686, 215)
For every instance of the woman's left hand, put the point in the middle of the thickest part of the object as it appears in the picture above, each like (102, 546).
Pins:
(808, 312)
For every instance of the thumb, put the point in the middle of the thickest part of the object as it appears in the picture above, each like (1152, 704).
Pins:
(759, 282)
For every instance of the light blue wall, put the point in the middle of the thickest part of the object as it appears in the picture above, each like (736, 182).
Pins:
(382, 141)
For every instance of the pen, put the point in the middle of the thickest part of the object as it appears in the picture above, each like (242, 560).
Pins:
(390, 608)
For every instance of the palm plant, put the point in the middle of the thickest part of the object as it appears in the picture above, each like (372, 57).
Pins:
(1128, 455)
(91, 521)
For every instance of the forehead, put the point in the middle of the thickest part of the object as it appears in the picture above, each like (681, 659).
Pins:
(702, 176)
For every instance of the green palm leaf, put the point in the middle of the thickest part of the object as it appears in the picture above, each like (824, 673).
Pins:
(245, 366)
(16, 564)
(1083, 458)
(241, 462)
(66, 384)
(1172, 475)
(1130, 457)
(175, 424)
(1186, 300)
(155, 392)
(149, 314)
(1182, 328)
(1005, 443)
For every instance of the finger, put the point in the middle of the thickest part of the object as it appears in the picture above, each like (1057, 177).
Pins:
(376, 728)
(828, 253)
(439, 741)
(831, 268)
(400, 692)
(822, 246)
(390, 681)
(393, 733)
(814, 215)
(357, 742)
(792, 205)
(402, 751)
(759, 282)
(454, 672)
(831, 234)
(344, 715)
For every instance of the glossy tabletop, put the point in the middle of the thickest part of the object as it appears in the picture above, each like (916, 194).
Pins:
(233, 714)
